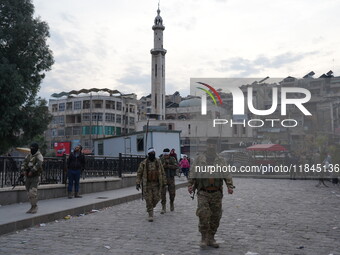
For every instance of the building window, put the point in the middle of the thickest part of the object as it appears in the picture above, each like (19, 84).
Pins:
(132, 121)
(58, 120)
(54, 107)
(132, 108)
(140, 143)
(54, 132)
(100, 148)
(76, 130)
(86, 116)
(86, 104)
(69, 106)
(119, 106)
(77, 105)
(85, 130)
(97, 116)
(155, 70)
(68, 131)
(109, 130)
(119, 118)
(98, 105)
(235, 130)
(87, 144)
(110, 117)
(155, 100)
(61, 132)
(61, 107)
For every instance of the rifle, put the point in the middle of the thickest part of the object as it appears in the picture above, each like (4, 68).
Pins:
(192, 195)
(20, 179)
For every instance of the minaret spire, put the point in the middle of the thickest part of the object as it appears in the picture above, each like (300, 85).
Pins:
(158, 69)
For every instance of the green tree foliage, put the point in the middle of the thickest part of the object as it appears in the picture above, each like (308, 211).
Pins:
(24, 57)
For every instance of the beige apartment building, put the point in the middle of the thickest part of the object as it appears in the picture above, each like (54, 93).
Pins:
(84, 115)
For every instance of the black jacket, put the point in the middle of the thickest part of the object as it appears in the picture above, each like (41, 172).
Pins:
(76, 162)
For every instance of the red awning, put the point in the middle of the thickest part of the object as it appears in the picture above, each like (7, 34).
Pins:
(266, 147)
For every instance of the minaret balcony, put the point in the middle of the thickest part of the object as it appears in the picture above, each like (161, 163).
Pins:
(157, 51)
(158, 27)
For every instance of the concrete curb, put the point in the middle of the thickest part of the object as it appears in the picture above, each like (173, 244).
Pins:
(38, 219)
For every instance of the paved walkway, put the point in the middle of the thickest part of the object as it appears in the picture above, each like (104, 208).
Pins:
(265, 217)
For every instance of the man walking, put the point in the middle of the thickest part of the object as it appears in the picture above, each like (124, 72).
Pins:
(32, 169)
(151, 175)
(170, 168)
(75, 164)
(209, 194)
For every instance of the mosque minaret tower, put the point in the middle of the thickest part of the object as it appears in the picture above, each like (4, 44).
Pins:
(158, 70)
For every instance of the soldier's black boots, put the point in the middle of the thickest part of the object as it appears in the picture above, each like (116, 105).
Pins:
(30, 210)
(69, 195)
(204, 241)
(212, 241)
(163, 209)
(172, 207)
(150, 219)
(33, 209)
(76, 195)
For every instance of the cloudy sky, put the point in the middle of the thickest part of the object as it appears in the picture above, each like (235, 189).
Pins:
(106, 43)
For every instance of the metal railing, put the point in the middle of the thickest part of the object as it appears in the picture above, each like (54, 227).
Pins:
(55, 168)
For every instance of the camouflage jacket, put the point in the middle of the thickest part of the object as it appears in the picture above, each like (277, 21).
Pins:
(170, 166)
(200, 181)
(33, 164)
(145, 167)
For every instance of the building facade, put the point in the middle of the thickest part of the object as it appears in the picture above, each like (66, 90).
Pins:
(85, 115)
(138, 143)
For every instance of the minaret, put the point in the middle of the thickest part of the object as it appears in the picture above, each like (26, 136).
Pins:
(158, 70)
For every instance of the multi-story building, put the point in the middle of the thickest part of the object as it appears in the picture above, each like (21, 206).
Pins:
(84, 115)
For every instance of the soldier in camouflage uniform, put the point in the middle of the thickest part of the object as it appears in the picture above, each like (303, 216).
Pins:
(170, 167)
(32, 168)
(151, 175)
(209, 194)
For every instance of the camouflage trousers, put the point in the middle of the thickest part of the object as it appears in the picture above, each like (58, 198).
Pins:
(151, 196)
(32, 189)
(171, 188)
(209, 211)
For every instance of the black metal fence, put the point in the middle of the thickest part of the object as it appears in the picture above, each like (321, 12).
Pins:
(55, 168)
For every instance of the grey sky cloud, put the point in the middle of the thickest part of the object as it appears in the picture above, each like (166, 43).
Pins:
(95, 44)
(247, 67)
(67, 17)
(133, 76)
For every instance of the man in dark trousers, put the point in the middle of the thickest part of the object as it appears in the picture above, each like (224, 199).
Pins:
(151, 176)
(32, 168)
(209, 193)
(75, 164)
(170, 168)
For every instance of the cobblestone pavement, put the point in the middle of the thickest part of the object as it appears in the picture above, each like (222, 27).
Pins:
(264, 217)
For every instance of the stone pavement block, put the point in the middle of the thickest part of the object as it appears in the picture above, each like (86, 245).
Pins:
(262, 216)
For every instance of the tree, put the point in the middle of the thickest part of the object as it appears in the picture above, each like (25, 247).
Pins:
(24, 57)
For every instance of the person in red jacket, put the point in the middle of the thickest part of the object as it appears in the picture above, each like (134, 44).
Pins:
(185, 165)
